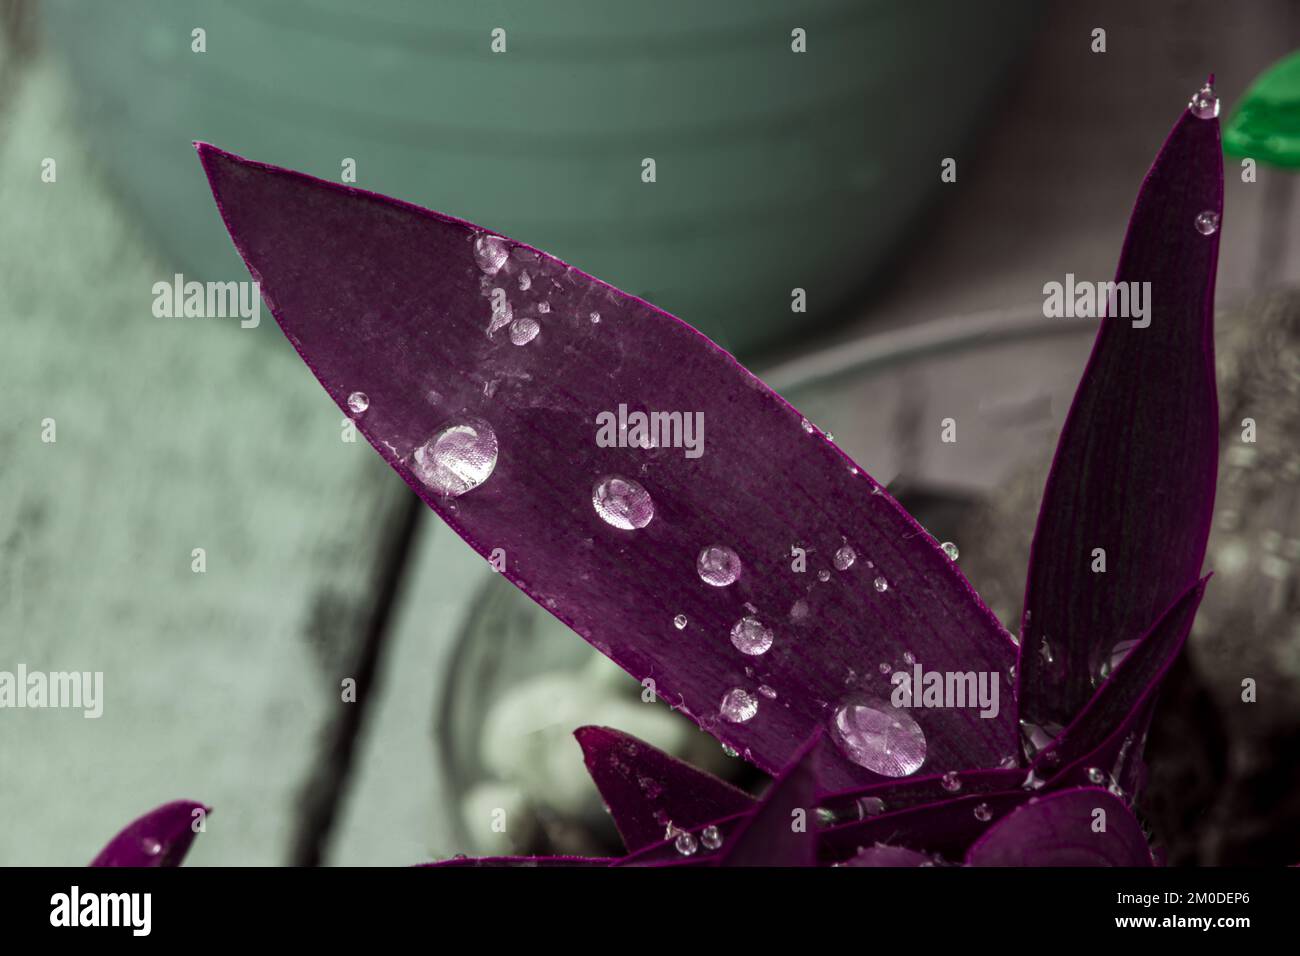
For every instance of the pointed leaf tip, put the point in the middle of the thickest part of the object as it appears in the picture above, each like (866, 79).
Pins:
(489, 367)
(161, 837)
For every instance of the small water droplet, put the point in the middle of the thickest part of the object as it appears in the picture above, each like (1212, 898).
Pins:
(950, 549)
(751, 636)
(1204, 103)
(151, 846)
(874, 734)
(950, 781)
(871, 807)
(807, 426)
(844, 558)
(730, 751)
(490, 252)
(523, 331)
(767, 692)
(738, 705)
(1207, 222)
(543, 307)
(680, 622)
(711, 837)
(622, 502)
(829, 436)
(718, 566)
(982, 813)
(823, 575)
(1045, 652)
(1008, 762)
(686, 844)
(595, 318)
(457, 459)
(799, 610)
(909, 658)
(358, 402)
(880, 584)
(885, 667)
(1096, 775)
(525, 281)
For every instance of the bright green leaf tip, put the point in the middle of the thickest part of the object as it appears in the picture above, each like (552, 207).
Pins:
(1265, 125)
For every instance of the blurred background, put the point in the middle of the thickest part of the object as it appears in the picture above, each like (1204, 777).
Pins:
(775, 171)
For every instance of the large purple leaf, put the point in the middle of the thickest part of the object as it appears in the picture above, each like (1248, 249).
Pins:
(161, 837)
(782, 831)
(1062, 829)
(1088, 750)
(646, 790)
(1135, 467)
(384, 298)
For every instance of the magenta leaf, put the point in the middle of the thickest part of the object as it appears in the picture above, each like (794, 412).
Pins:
(883, 855)
(1135, 467)
(1081, 827)
(646, 790)
(161, 837)
(1089, 749)
(484, 372)
(782, 831)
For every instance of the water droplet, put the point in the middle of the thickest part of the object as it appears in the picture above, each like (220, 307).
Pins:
(490, 252)
(885, 667)
(878, 736)
(807, 426)
(358, 402)
(829, 436)
(595, 317)
(982, 813)
(523, 331)
(686, 844)
(880, 584)
(909, 658)
(1008, 762)
(1045, 652)
(1096, 775)
(823, 575)
(457, 459)
(871, 807)
(730, 751)
(1207, 223)
(680, 622)
(151, 846)
(525, 281)
(950, 781)
(738, 705)
(950, 549)
(1204, 103)
(711, 837)
(844, 558)
(718, 565)
(622, 502)
(799, 610)
(767, 692)
(751, 636)
(543, 307)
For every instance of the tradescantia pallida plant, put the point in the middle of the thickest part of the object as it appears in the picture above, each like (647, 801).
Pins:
(479, 368)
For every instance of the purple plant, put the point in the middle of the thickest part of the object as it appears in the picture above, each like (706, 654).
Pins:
(161, 837)
(481, 369)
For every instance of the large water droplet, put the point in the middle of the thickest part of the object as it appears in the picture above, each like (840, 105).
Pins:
(1204, 103)
(490, 252)
(874, 734)
(950, 549)
(523, 331)
(711, 837)
(457, 459)
(622, 502)
(844, 558)
(718, 565)
(358, 402)
(1207, 222)
(738, 705)
(751, 636)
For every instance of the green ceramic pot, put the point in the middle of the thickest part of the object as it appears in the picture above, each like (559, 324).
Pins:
(774, 170)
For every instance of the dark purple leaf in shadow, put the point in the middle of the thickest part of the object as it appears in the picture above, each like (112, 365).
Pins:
(161, 837)
(520, 861)
(1088, 750)
(646, 790)
(947, 828)
(782, 831)
(889, 856)
(1060, 830)
(1135, 467)
(384, 298)
(855, 804)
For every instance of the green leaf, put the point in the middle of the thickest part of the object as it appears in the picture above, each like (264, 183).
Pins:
(1266, 123)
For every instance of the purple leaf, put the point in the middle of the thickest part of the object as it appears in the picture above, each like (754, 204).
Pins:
(161, 837)
(519, 861)
(1135, 467)
(1061, 830)
(645, 789)
(883, 855)
(947, 828)
(695, 850)
(782, 831)
(393, 301)
(1093, 741)
(917, 791)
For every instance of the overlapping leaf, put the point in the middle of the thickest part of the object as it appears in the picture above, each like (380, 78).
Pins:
(161, 837)
(1082, 827)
